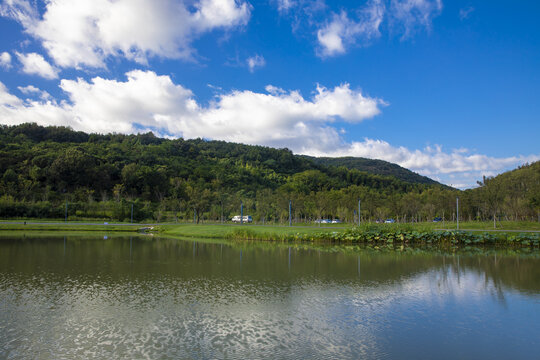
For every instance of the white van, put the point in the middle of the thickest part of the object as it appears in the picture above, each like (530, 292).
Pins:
(246, 219)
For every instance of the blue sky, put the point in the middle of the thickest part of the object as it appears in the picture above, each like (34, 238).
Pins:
(447, 89)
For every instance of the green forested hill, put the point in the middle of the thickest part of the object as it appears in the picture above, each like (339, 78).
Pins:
(509, 192)
(374, 166)
(144, 165)
(103, 176)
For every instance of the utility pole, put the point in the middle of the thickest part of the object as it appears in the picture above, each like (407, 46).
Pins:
(65, 219)
(132, 213)
(194, 216)
(290, 212)
(457, 212)
(241, 213)
(359, 212)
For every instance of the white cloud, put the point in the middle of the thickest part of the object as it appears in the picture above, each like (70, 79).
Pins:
(220, 13)
(20, 10)
(409, 15)
(255, 62)
(285, 5)
(464, 13)
(8, 101)
(79, 33)
(35, 64)
(331, 36)
(459, 167)
(146, 100)
(342, 31)
(5, 60)
(15, 111)
(274, 90)
(278, 118)
(281, 118)
(32, 90)
(338, 32)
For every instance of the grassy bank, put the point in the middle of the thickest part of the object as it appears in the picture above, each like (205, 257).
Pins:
(251, 232)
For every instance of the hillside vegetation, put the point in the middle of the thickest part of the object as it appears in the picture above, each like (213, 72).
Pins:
(374, 166)
(105, 176)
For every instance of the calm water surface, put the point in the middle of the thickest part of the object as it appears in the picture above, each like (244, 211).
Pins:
(77, 298)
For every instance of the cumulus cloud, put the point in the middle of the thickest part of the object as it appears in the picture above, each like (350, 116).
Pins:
(278, 118)
(149, 101)
(35, 64)
(283, 118)
(13, 110)
(79, 33)
(5, 60)
(342, 31)
(255, 62)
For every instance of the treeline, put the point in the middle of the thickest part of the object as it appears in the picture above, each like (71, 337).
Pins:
(106, 176)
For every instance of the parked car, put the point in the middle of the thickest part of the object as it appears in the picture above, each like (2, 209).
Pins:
(336, 221)
(323, 221)
(437, 219)
(389, 221)
(245, 219)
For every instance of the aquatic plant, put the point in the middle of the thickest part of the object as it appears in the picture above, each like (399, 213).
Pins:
(448, 238)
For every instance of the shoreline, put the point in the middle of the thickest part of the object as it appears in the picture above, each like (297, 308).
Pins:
(368, 234)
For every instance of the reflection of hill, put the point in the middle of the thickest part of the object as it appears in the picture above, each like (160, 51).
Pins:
(137, 258)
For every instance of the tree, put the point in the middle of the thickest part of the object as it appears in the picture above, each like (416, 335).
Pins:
(200, 198)
(491, 194)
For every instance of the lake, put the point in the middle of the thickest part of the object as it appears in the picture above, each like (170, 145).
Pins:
(80, 297)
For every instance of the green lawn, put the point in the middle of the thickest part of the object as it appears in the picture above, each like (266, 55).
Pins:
(486, 225)
(234, 231)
